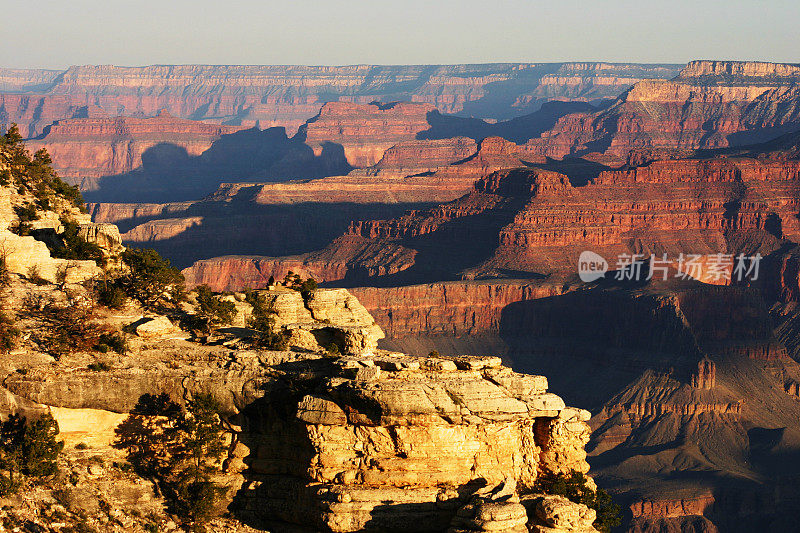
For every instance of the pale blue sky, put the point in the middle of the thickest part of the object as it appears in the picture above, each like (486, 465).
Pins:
(56, 34)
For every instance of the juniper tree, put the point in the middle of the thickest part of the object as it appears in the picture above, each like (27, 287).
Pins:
(212, 309)
(29, 449)
(150, 279)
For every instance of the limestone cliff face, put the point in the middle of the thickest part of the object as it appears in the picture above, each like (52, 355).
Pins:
(20, 80)
(754, 69)
(394, 438)
(385, 441)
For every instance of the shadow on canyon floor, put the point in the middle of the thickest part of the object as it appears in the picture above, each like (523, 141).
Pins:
(444, 254)
(169, 174)
(517, 130)
(211, 229)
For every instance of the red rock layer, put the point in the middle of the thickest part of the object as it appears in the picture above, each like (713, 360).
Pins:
(408, 158)
(359, 193)
(95, 147)
(117, 213)
(34, 112)
(448, 308)
(365, 131)
(722, 205)
(666, 207)
(696, 505)
(349, 254)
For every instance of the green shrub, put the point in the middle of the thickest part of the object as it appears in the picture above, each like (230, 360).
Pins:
(180, 451)
(35, 277)
(40, 447)
(8, 333)
(333, 349)
(151, 279)
(213, 311)
(66, 329)
(262, 320)
(34, 172)
(113, 341)
(148, 433)
(71, 193)
(263, 315)
(75, 247)
(101, 366)
(295, 282)
(44, 204)
(278, 341)
(26, 213)
(28, 449)
(111, 295)
(575, 487)
(23, 229)
(12, 137)
(200, 448)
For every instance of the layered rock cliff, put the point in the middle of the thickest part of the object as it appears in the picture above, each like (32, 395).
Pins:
(710, 104)
(289, 95)
(534, 220)
(365, 132)
(293, 217)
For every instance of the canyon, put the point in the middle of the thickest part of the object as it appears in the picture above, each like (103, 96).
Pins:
(707, 380)
(379, 159)
(456, 214)
(533, 221)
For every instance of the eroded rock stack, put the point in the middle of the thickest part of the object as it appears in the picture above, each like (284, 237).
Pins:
(399, 443)
(322, 319)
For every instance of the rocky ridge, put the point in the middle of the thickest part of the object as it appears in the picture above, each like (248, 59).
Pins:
(333, 443)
